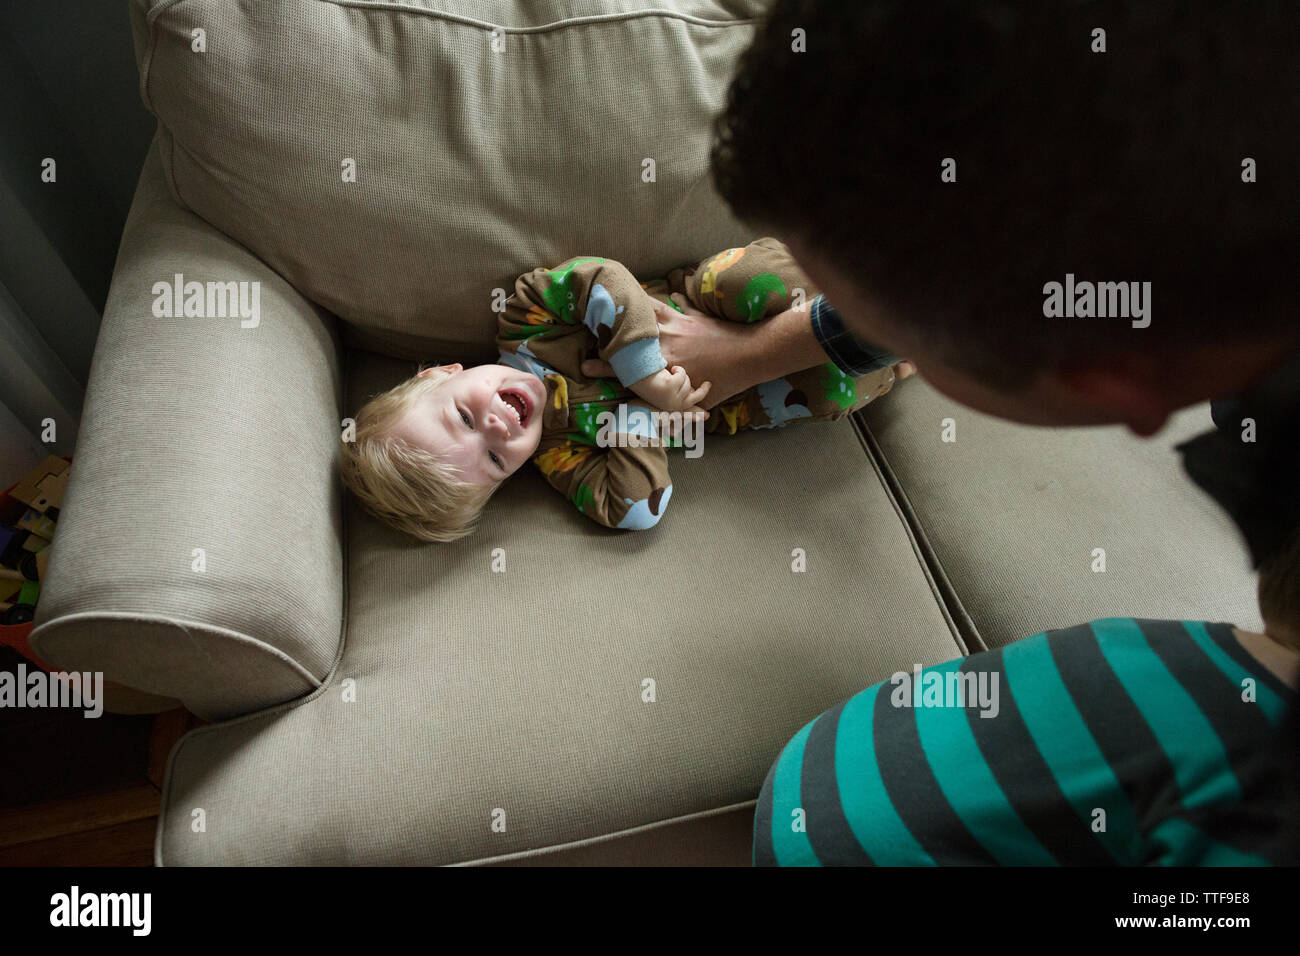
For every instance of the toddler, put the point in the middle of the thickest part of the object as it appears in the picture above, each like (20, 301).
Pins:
(431, 451)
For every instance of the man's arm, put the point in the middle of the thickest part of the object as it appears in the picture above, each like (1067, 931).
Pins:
(735, 357)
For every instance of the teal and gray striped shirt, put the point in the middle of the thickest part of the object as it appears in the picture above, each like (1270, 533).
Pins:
(1122, 741)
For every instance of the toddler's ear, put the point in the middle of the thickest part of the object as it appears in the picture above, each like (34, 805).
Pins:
(446, 368)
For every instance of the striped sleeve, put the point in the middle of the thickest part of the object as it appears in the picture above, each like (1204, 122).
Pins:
(1117, 742)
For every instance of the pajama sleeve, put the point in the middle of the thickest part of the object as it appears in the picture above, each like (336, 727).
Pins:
(618, 486)
(586, 296)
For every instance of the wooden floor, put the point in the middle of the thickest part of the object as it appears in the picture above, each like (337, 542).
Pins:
(105, 829)
(85, 792)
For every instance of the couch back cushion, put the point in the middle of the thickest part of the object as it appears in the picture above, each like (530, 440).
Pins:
(488, 137)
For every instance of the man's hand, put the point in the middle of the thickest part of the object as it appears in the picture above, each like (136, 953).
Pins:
(708, 349)
(670, 389)
(729, 355)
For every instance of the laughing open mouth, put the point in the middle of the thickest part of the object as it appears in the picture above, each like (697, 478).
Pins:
(519, 404)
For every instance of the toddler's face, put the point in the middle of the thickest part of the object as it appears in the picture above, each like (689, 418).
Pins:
(486, 420)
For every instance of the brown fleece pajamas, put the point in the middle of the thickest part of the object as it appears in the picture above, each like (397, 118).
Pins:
(591, 307)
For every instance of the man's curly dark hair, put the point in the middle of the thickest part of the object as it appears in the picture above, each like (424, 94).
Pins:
(1123, 165)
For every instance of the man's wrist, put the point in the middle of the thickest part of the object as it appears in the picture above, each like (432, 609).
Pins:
(783, 344)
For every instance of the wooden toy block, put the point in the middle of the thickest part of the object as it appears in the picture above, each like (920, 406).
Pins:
(44, 485)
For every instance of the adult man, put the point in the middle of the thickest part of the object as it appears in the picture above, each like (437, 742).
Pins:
(972, 160)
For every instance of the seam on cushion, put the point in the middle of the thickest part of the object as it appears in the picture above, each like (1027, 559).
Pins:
(345, 525)
(545, 27)
(236, 636)
(915, 535)
(168, 160)
(180, 200)
(153, 14)
(607, 837)
(963, 624)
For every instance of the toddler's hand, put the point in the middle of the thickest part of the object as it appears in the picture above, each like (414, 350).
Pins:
(670, 389)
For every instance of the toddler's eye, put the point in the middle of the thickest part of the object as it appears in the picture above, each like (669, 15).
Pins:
(465, 418)
(496, 461)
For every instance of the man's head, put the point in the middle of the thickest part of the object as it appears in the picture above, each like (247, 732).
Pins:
(1117, 166)
(430, 451)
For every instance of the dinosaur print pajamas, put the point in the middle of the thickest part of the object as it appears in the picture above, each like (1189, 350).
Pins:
(590, 307)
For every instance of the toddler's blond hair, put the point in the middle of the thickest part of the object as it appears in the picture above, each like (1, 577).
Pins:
(404, 486)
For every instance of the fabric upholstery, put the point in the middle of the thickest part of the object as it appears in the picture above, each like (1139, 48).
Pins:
(522, 690)
(472, 164)
(200, 434)
(1012, 514)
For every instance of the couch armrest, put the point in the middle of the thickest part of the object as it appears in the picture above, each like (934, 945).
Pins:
(199, 552)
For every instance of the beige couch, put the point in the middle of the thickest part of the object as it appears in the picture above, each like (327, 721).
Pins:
(379, 700)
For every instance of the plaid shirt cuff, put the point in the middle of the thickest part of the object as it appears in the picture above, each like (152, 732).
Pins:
(850, 354)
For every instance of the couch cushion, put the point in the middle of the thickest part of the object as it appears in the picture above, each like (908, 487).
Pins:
(473, 165)
(1012, 514)
(522, 690)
